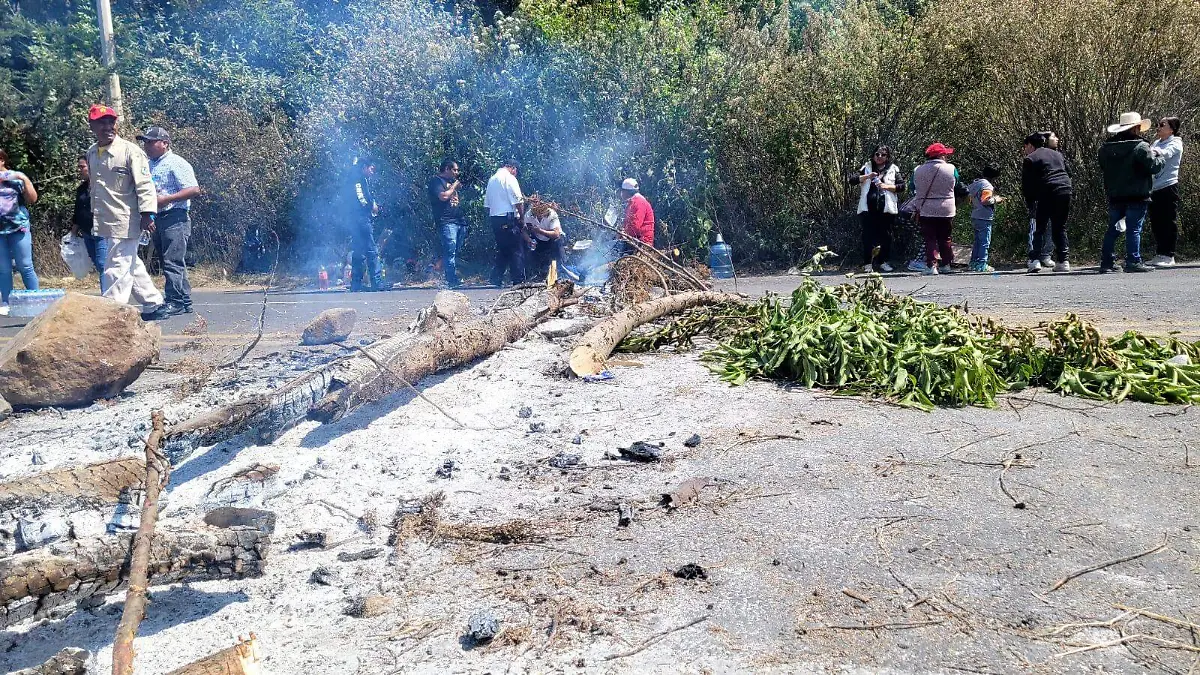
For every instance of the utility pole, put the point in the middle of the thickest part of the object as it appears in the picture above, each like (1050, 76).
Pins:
(108, 57)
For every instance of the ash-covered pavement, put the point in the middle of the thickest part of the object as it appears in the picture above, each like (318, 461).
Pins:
(839, 535)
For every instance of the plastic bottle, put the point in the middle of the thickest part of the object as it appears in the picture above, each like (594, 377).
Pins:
(720, 259)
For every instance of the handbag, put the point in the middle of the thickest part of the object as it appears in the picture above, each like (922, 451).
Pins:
(909, 207)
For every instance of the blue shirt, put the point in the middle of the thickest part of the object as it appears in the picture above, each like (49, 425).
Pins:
(14, 217)
(171, 174)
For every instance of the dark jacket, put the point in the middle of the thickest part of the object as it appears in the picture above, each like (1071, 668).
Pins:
(82, 217)
(1044, 174)
(1129, 167)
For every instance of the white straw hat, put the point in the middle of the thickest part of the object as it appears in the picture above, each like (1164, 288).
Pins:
(1129, 120)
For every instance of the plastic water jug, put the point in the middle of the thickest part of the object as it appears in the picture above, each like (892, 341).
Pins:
(29, 304)
(720, 259)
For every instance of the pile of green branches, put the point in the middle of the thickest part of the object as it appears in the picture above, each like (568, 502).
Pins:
(860, 339)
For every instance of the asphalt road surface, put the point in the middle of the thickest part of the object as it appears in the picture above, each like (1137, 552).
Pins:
(1156, 302)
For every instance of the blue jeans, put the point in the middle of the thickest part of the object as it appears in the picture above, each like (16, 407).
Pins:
(982, 242)
(97, 248)
(362, 249)
(1134, 214)
(16, 247)
(454, 233)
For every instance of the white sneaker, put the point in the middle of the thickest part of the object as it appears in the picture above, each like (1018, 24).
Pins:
(931, 271)
(944, 269)
(1063, 266)
(1163, 261)
(917, 266)
(4, 309)
(868, 269)
(1047, 262)
(1033, 266)
(888, 268)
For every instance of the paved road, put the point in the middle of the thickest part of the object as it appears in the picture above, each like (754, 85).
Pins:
(1160, 301)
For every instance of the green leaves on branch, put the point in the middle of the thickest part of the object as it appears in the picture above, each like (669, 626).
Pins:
(863, 340)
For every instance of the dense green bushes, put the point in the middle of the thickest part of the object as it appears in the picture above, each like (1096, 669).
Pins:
(738, 117)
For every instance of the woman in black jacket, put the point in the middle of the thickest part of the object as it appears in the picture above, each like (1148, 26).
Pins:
(1047, 189)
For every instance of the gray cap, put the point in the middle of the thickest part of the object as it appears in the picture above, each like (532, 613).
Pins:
(155, 134)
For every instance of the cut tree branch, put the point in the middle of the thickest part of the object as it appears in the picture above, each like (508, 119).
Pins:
(158, 472)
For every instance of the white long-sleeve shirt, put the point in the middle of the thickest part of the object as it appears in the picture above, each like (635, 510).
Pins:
(1171, 150)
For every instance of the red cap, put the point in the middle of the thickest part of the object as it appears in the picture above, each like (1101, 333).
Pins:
(938, 150)
(100, 111)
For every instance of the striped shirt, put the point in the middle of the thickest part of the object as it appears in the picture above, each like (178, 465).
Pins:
(172, 174)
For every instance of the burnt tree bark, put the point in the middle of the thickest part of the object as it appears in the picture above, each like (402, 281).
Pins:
(594, 348)
(79, 487)
(68, 661)
(35, 583)
(330, 392)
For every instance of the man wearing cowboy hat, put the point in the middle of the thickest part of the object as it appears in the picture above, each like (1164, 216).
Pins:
(639, 215)
(1129, 167)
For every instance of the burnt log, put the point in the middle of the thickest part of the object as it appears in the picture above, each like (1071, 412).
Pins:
(68, 661)
(87, 486)
(35, 584)
(335, 389)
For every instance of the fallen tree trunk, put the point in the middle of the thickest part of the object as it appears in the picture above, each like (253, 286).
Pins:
(158, 472)
(332, 391)
(68, 661)
(33, 584)
(240, 659)
(79, 487)
(594, 348)
(445, 347)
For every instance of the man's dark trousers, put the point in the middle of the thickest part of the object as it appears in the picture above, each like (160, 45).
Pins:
(172, 229)
(363, 250)
(508, 249)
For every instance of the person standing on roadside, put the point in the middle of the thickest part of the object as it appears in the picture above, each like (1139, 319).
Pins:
(506, 209)
(16, 242)
(364, 254)
(878, 180)
(1164, 195)
(448, 217)
(934, 184)
(175, 183)
(983, 213)
(124, 203)
(639, 215)
(81, 221)
(1047, 190)
(1129, 168)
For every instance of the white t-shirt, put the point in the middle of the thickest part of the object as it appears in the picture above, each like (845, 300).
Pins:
(503, 193)
(550, 222)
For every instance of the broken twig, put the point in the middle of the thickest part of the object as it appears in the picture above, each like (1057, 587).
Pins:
(1117, 561)
(655, 638)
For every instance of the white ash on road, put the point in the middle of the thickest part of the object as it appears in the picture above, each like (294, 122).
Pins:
(836, 534)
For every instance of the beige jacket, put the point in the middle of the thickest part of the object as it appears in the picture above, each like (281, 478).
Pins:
(121, 189)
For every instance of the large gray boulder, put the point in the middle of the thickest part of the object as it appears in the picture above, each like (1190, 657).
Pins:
(332, 325)
(81, 349)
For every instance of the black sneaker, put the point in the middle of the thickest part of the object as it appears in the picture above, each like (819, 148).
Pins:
(1106, 269)
(160, 313)
(1139, 267)
(175, 310)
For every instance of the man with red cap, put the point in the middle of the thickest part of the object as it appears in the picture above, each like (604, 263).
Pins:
(934, 185)
(639, 216)
(124, 203)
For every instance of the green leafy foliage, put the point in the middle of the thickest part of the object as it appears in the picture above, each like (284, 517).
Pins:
(860, 339)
